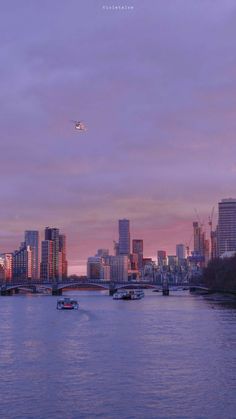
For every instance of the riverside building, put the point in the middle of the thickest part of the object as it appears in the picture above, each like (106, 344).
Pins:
(98, 268)
(32, 240)
(6, 266)
(53, 255)
(22, 262)
(226, 229)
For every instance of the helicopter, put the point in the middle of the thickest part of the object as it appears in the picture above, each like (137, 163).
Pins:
(79, 125)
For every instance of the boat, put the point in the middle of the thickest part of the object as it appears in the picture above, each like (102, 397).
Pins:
(128, 295)
(67, 304)
(120, 295)
(136, 294)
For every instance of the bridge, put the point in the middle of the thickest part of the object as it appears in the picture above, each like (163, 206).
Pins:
(57, 287)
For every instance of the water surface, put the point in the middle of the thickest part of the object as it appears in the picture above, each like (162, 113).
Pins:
(160, 357)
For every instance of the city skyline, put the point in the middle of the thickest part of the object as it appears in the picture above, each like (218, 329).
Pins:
(200, 248)
(155, 86)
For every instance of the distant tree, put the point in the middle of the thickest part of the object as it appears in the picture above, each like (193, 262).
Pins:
(221, 274)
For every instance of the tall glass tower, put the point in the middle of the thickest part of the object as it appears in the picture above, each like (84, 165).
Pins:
(124, 237)
(32, 240)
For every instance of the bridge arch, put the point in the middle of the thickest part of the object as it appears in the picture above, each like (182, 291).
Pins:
(137, 286)
(79, 285)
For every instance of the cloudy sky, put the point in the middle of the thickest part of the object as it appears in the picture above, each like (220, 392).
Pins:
(156, 86)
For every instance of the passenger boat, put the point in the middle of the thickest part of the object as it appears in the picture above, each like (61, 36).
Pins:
(120, 295)
(67, 304)
(128, 295)
(136, 294)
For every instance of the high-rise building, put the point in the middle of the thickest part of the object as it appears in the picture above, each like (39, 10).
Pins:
(148, 269)
(2, 268)
(206, 252)
(105, 272)
(119, 267)
(201, 251)
(98, 268)
(46, 266)
(62, 257)
(172, 261)
(6, 266)
(199, 239)
(52, 234)
(116, 248)
(102, 253)
(226, 230)
(94, 267)
(124, 237)
(161, 258)
(180, 252)
(53, 260)
(32, 240)
(22, 262)
(137, 249)
(214, 246)
(8, 260)
(134, 261)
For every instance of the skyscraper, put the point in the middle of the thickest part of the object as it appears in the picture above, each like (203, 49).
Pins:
(199, 239)
(50, 254)
(137, 249)
(46, 266)
(62, 253)
(180, 252)
(124, 237)
(226, 230)
(32, 240)
(201, 251)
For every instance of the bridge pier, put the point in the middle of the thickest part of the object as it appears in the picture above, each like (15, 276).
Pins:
(34, 289)
(165, 287)
(112, 288)
(56, 291)
(5, 291)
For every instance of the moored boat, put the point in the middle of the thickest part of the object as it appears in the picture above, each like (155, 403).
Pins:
(67, 304)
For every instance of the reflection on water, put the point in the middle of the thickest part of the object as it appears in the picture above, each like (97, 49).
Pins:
(159, 357)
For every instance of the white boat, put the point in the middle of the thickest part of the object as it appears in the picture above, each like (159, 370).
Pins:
(136, 294)
(120, 295)
(128, 295)
(67, 303)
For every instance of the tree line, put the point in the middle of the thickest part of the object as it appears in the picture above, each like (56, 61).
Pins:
(220, 274)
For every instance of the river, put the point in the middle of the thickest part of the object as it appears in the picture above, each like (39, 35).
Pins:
(160, 357)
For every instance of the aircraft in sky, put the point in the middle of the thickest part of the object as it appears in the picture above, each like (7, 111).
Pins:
(79, 125)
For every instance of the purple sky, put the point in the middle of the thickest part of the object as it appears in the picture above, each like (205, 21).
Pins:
(156, 87)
